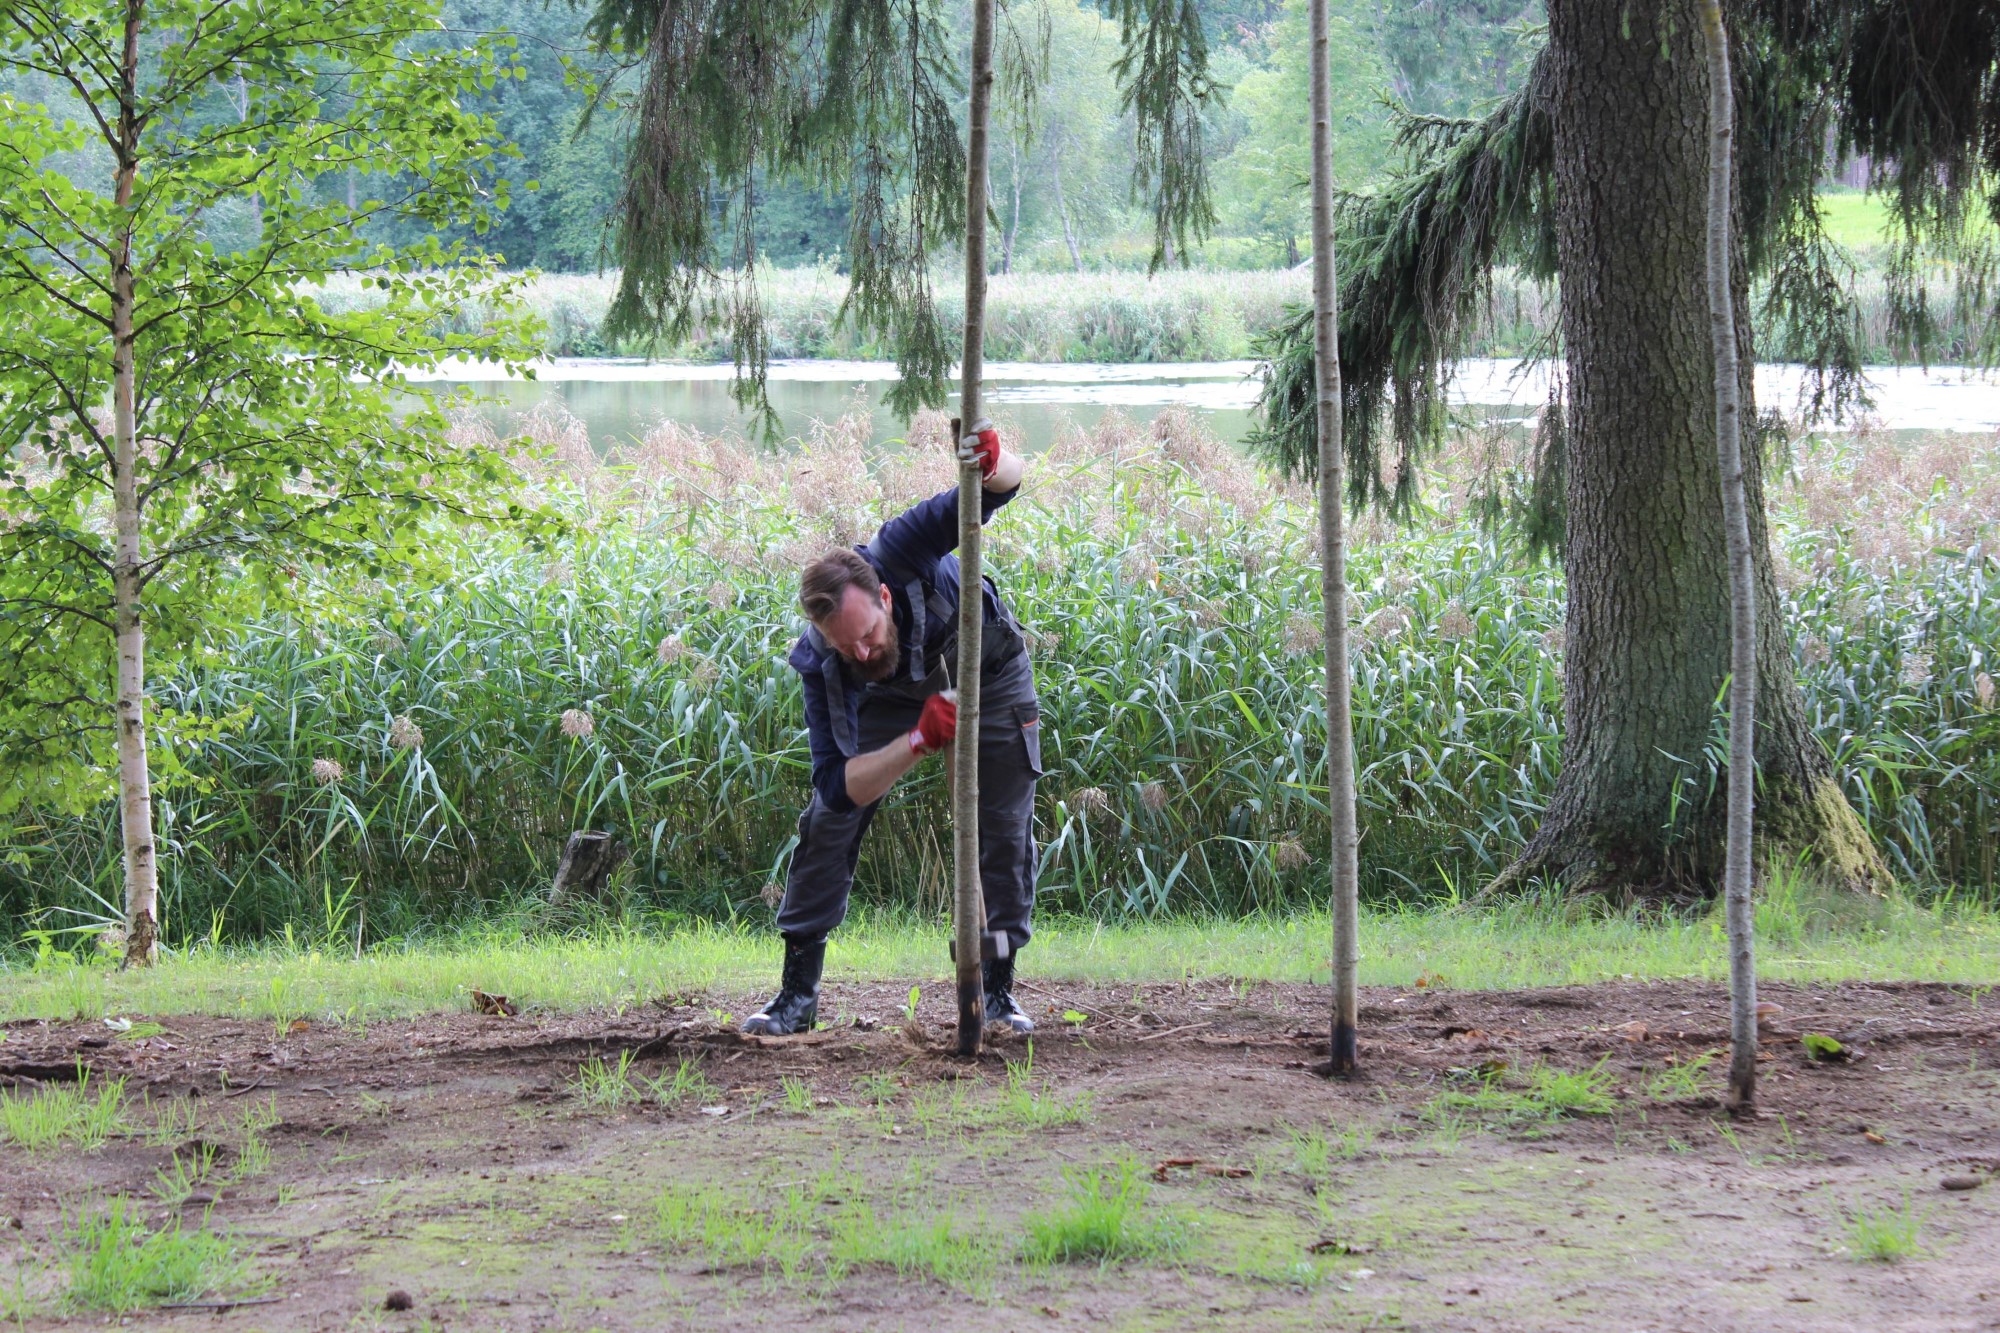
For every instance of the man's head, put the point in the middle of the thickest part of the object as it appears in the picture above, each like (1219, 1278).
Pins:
(847, 603)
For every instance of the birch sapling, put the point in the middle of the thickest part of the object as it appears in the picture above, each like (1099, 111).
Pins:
(1333, 564)
(968, 901)
(1737, 864)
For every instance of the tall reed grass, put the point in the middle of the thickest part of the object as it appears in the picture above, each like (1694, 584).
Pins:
(1171, 316)
(409, 756)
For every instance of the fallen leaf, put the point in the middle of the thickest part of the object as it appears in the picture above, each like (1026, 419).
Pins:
(1872, 1136)
(1633, 1031)
(715, 1110)
(297, 1025)
(495, 1006)
(1961, 1182)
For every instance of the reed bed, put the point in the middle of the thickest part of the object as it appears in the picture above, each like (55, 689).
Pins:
(414, 756)
(1130, 317)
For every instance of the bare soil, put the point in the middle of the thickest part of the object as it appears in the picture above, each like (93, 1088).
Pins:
(453, 1158)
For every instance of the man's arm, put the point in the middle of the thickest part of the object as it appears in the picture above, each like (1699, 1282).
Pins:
(870, 775)
(912, 543)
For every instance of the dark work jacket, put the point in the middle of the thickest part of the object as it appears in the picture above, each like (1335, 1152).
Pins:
(912, 555)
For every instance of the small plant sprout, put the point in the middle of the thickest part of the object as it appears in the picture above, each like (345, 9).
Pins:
(685, 1083)
(798, 1095)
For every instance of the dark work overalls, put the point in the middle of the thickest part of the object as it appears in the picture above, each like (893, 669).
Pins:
(846, 716)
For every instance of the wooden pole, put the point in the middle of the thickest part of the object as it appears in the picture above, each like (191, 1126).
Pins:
(1737, 866)
(1333, 564)
(968, 902)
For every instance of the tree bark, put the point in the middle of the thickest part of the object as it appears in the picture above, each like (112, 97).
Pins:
(1014, 218)
(1062, 209)
(135, 788)
(1333, 562)
(1649, 632)
(968, 902)
(1740, 823)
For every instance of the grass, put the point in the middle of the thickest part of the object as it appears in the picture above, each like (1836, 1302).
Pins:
(605, 1087)
(1024, 1106)
(115, 1264)
(1510, 947)
(1546, 1094)
(1105, 1220)
(687, 1083)
(64, 1115)
(1884, 1235)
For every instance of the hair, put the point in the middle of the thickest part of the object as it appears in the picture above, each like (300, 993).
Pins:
(826, 580)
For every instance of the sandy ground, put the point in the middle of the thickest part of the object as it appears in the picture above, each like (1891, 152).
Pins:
(454, 1159)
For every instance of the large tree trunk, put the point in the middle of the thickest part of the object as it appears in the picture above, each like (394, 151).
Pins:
(135, 789)
(1346, 847)
(1648, 637)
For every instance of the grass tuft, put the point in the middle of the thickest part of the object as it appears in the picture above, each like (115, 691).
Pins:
(1105, 1220)
(1884, 1235)
(64, 1115)
(116, 1264)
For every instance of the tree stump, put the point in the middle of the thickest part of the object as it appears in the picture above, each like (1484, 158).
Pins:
(587, 862)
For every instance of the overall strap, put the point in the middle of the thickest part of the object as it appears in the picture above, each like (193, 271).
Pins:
(836, 693)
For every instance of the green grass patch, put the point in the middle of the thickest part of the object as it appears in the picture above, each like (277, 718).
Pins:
(74, 1116)
(1106, 1219)
(1502, 1100)
(1884, 1235)
(116, 1264)
(1511, 947)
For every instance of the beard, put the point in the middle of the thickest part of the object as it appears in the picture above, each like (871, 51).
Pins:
(884, 664)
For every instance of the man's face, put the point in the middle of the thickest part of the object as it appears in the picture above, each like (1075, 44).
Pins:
(864, 632)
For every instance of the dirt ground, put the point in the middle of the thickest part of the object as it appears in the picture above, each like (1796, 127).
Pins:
(459, 1159)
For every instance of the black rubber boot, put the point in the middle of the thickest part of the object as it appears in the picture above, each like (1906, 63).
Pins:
(796, 1007)
(1001, 1011)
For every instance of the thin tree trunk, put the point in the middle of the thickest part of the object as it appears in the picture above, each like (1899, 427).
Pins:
(1062, 208)
(1333, 562)
(135, 790)
(1737, 866)
(969, 903)
(1014, 219)
(1649, 623)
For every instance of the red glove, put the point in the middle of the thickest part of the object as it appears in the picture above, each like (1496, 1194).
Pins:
(981, 445)
(937, 725)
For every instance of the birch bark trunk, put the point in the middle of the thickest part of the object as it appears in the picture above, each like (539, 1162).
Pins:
(1740, 819)
(968, 900)
(135, 790)
(1333, 564)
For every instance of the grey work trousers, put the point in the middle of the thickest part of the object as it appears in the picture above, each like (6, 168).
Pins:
(1010, 760)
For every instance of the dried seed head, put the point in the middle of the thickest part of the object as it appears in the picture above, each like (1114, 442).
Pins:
(773, 893)
(1385, 624)
(1154, 797)
(1207, 615)
(703, 671)
(1813, 651)
(1982, 689)
(1290, 853)
(1303, 634)
(671, 648)
(577, 724)
(1552, 639)
(326, 772)
(1454, 623)
(386, 642)
(1091, 800)
(721, 593)
(405, 734)
(557, 574)
(1916, 668)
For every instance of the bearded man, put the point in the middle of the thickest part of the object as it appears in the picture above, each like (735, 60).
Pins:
(877, 660)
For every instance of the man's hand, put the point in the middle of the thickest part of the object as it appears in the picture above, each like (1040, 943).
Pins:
(980, 445)
(937, 725)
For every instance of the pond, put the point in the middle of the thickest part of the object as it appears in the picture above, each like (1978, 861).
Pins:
(619, 400)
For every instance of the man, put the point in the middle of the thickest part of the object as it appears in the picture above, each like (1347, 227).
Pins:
(877, 661)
